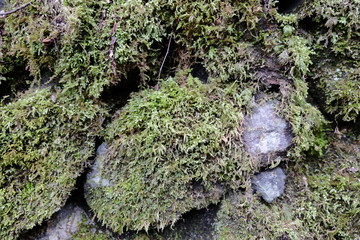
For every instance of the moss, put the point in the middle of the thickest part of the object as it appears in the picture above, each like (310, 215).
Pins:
(45, 141)
(339, 85)
(190, 146)
(308, 124)
(320, 202)
(337, 26)
(169, 151)
(73, 40)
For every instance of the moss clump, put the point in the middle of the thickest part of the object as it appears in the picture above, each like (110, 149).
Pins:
(307, 122)
(321, 201)
(45, 141)
(171, 150)
(336, 26)
(85, 45)
(339, 85)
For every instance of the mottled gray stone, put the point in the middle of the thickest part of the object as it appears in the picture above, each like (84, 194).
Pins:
(65, 223)
(265, 132)
(269, 184)
(94, 178)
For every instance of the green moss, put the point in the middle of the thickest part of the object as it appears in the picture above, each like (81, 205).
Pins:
(185, 136)
(307, 122)
(340, 86)
(321, 201)
(337, 26)
(45, 141)
(73, 40)
(171, 150)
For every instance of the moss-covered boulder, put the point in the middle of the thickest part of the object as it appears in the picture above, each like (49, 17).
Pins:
(321, 201)
(174, 148)
(45, 141)
(171, 150)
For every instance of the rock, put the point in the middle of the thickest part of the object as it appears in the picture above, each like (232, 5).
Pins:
(266, 132)
(71, 222)
(269, 184)
(94, 178)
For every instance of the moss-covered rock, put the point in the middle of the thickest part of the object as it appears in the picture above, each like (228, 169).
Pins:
(321, 201)
(86, 45)
(45, 141)
(171, 150)
(175, 148)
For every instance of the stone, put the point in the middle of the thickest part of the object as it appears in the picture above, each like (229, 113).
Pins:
(266, 132)
(269, 184)
(71, 222)
(94, 178)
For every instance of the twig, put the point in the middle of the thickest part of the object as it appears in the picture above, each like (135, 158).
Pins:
(111, 55)
(111, 50)
(163, 62)
(5, 14)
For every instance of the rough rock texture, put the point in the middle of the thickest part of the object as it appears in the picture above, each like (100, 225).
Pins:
(72, 222)
(64, 224)
(266, 132)
(269, 184)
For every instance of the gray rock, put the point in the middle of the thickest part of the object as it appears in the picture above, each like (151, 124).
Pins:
(94, 178)
(67, 222)
(269, 184)
(265, 132)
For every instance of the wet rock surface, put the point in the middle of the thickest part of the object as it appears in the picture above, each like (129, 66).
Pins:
(269, 184)
(266, 132)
